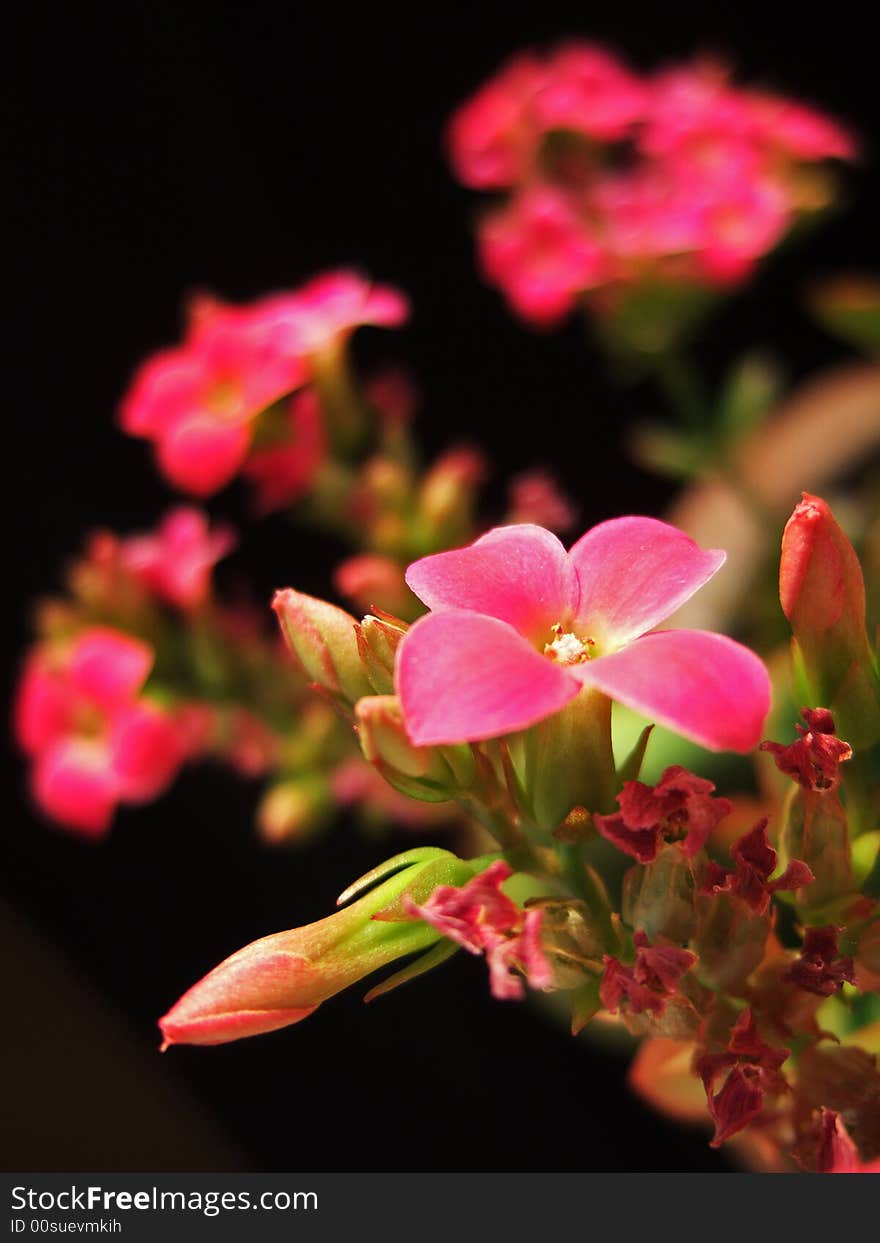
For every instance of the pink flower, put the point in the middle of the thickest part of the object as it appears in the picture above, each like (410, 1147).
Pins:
(518, 626)
(198, 401)
(536, 497)
(650, 982)
(494, 137)
(484, 920)
(282, 473)
(541, 253)
(175, 562)
(93, 741)
(678, 803)
(798, 131)
(589, 92)
(332, 305)
(814, 760)
(739, 221)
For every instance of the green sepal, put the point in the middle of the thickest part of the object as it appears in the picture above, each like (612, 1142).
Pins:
(435, 956)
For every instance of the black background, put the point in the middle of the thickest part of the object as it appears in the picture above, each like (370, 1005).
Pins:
(156, 148)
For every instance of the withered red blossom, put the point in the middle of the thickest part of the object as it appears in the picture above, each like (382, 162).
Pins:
(814, 759)
(821, 968)
(484, 920)
(755, 861)
(752, 1071)
(836, 1153)
(649, 982)
(680, 806)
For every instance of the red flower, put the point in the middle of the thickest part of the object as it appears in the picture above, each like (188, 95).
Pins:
(680, 805)
(483, 920)
(650, 982)
(814, 760)
(755, 861)
(751, 1070)
(821, 968)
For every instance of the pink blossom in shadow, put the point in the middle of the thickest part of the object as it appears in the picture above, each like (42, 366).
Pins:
(175, 561)
(93, 739)
(518, 626)
(483, 920)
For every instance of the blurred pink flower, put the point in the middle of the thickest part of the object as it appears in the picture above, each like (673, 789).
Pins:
(588, 91)
(282, 473)
(197, 402)
(93, 740)
(175, 561)
(493, 137)
(541, 252)
(519, 626)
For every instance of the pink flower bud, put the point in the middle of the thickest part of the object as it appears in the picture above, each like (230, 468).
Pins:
(324, 640)
(822, 593)
(283, 978)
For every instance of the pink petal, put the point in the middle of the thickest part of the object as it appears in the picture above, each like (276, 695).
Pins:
(108, 666)
(704, 686)
(45, 704)
(635, 572)
(200, 454)
(519, 574)
(463, 678)
(73, 783)
(146, 750)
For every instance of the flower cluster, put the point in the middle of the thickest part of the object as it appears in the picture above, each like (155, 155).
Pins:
(256, 388)
(617, 183)
(500, 700)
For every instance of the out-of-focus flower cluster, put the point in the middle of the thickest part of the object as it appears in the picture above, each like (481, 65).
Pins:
(620, 188)
(267, 391)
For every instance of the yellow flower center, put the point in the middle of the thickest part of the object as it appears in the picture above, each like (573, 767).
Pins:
(565, 648)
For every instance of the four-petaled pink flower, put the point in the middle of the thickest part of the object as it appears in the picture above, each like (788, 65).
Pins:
(519, 626)
(176, 560)
(680, 805)
(483, 920)
(94, 741)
